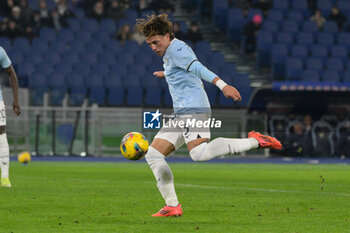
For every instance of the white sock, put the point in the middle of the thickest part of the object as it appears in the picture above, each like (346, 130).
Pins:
(222, 146)
(4, 156)
(163, 175)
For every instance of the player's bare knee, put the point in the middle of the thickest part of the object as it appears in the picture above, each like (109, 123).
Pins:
(2, 129)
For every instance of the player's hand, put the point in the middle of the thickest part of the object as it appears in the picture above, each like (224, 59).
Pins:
(231, 92)
(159, 74)
(16, 108)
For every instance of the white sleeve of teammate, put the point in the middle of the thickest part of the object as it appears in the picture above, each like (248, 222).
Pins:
(201, 71)
(5, 61)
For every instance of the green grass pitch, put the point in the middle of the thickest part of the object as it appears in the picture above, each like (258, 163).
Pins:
(120, 197)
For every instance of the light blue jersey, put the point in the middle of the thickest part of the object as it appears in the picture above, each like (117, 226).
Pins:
(186, 88)
(5, 62)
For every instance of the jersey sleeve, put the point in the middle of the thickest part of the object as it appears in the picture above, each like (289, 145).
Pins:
(183, 56)
(5, 61)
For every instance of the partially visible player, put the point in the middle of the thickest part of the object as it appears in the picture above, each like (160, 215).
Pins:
(183, 73)
(5, 63)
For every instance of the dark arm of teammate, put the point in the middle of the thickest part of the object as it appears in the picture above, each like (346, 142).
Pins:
(14, 85)
(201, 71)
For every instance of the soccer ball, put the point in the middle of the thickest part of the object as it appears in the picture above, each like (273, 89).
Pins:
(24, 157)
(134, 146)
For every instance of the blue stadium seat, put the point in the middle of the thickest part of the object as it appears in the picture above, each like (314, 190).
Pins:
(79, 13)
(314, 64)
(89, 24)
(300, 5)
(40, 45)
(44, 67)
(264, 45)
(131, 80)
(299, 51)
(335, 64)
(324, 6)
(153, 96)
(64, 67)
(278, 58)
(339, 52)
(319, 51)
(346, 77)
(47, 34)
(310, 76)
(236, 22)
(101, 69)
(134, 96)
(24, 71)
(108, 57)
(131, 46)
(115, 96)
(296, 16)
(275, 15)
(167, 100)
(294, 68)
(310, 27)
(5, 43)
(83, 36)
(75, 79)
(150, 81)
(34, 58)
(97, 95)
(113, 45)
(344, 7)
(270, 26)
(220, 11)
(330, 76)
(56, 80)
(241, 81)
(56, 96)
(144, 59)
(113, 80)
(81, 68)
(37, 96)
(290, 26)
(93, 80)
(101, 36)
(325, 39)
(21, 43)
(70, 57)
(330, 27)
(281, 5)
(285, 38)
(52, 58)
(305, 38)
(37, 80)
(77, 95)
(94, 46)
(108, 26)
(65, 35)
(203, 46)
(212, 93)
(344, 39)
(16, 57)
(89, 58)
(74, 24)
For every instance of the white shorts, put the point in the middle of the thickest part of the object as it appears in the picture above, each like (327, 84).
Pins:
(2, 114)
(178, 134)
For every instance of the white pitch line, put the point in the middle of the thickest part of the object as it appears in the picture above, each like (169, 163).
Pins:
(259, 189)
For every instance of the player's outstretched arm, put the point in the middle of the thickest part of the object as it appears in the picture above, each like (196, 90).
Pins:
(159, 74)
(14, 85)
(228, 90)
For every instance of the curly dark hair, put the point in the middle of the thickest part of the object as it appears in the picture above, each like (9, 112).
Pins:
(155, 25)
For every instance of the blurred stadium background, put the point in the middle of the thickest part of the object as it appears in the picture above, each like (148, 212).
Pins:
(85, 78)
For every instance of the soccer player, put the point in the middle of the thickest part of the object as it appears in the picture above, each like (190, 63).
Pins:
(5, 63)
(183, 73)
